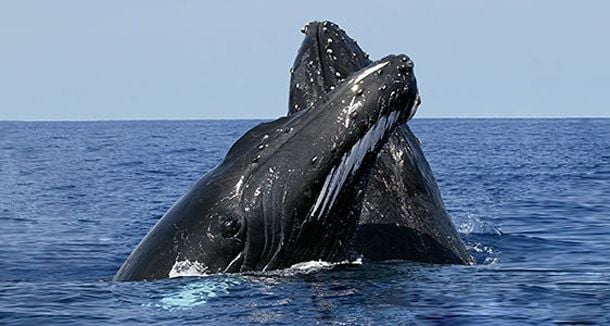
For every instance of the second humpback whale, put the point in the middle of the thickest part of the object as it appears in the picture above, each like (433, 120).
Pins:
(404, 216)
(286, 191)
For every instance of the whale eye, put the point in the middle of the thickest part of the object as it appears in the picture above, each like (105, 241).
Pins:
(230, 228)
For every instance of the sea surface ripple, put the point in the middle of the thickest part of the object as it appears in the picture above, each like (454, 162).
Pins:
(531, 198)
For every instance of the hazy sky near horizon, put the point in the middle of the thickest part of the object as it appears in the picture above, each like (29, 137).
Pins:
(84, 60)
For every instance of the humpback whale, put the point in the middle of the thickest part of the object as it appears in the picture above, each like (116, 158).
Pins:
(288, 190)
(403, 216)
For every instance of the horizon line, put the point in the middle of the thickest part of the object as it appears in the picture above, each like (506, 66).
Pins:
(266, 118)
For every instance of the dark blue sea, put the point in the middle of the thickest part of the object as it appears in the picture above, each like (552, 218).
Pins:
(531, 197)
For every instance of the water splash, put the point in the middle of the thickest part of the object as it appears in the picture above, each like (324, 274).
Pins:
(318, 265)
(479, 241)
(474, 225)
(186, 268)
(308, 267)
(483, 254)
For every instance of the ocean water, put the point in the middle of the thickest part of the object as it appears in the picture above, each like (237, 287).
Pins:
(531, 198)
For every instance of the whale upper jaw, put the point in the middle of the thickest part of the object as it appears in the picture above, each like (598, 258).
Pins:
(327, 55)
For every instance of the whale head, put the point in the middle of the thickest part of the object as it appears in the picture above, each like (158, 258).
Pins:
(284, 192)
(326, 57)
(306, 168)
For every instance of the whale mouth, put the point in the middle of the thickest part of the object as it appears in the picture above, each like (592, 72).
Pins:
(351, 162)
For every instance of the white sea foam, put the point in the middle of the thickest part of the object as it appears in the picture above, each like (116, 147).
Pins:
(186, 268)
(316, 266)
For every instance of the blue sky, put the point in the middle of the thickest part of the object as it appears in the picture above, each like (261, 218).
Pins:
(90, 60)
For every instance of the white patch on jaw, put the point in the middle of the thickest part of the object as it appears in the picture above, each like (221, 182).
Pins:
(353, 106)
(369, 71)
(239, 184)
(257, 191)
(350, 163)
(397, 154)
(323, 191)
(185, 268)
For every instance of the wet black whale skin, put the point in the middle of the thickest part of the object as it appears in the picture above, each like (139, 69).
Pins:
(403, 215)
(284, 192)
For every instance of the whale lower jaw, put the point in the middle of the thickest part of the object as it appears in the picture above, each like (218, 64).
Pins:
(350, 163)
